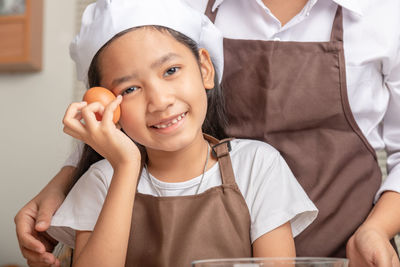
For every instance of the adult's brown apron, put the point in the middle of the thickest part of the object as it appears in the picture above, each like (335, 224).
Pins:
(293, 96)
(174, 231)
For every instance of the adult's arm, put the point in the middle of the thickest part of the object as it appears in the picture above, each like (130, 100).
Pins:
(34, 219)
(370, 245)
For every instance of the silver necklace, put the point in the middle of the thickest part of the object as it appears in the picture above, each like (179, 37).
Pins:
(201, 180)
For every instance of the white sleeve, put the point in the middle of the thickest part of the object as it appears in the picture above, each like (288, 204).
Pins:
(75, 156)
(83, 204)
(275, 197)
(391, 126)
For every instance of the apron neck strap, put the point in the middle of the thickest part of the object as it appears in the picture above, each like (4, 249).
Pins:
(337, 27)
(211, 15)
(220, 151)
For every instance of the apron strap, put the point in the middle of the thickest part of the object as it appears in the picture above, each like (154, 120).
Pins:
(211, 15)
(337, 27)
(220, 150)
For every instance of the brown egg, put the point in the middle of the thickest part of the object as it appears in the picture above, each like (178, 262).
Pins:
(104, 97)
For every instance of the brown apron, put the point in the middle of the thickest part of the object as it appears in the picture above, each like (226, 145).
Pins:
(293, 96)
(174, 231)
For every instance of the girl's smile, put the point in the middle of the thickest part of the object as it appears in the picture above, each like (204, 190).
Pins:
(167, 124)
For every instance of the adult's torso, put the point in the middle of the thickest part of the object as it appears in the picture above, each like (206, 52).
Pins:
(293, 95)
(367, 56)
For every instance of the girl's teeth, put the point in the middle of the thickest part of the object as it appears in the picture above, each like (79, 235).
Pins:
(162, 126)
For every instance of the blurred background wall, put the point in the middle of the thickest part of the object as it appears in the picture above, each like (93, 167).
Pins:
(32, 144)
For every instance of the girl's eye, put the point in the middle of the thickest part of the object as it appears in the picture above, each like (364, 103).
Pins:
(171, 71)
(130, 90)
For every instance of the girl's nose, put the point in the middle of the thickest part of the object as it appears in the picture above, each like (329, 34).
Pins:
(159, 98)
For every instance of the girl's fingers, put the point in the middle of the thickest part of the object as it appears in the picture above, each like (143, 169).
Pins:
(72, 118)
(78, 116)
(73, 134)
(89, 114)
(74, 109)
(109, 110)
(80, 119)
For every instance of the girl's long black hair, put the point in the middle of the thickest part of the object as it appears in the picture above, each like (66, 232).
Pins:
(214, 122)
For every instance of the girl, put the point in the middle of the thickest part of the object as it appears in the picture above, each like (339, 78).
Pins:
(195, 198)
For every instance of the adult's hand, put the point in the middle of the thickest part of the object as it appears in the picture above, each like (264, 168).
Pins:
(369, 247)
(34, 219)
(31, 223)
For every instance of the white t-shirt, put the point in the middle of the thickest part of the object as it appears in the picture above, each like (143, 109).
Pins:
(272, 194)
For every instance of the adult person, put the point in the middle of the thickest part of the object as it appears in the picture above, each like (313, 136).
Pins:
(319, 80)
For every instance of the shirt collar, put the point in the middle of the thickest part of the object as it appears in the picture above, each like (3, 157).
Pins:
(216, 5)
(352, 5)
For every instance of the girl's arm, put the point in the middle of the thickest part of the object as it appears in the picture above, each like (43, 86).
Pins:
(278, 206)
(107, 244)
(276, 243)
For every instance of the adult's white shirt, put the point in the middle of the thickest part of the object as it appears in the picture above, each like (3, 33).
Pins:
(372, 54)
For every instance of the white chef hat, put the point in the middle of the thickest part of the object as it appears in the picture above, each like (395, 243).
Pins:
(102, 20)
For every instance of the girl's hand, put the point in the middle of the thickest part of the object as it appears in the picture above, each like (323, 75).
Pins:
(103, 136)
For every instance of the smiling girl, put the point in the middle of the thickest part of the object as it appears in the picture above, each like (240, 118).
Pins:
(165, 194)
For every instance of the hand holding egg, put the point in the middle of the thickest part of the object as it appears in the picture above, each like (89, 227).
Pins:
(104, 97)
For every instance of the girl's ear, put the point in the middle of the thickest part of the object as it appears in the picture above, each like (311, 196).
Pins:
(206, 68)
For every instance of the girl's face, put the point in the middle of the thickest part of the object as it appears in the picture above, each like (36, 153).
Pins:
(163, 87)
